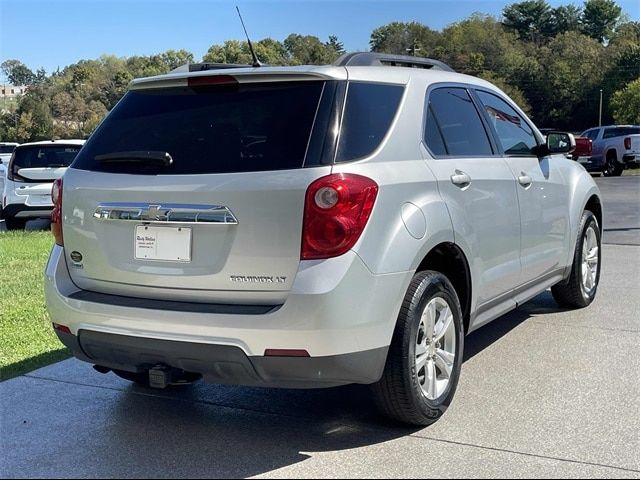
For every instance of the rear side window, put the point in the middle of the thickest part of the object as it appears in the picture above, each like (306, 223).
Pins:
(515, 136)
(206, 130)
(452, 112)
(620, 131)
(49, 156)
(369, 111)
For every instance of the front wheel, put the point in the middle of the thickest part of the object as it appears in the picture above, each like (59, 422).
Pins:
(580, 289)
(425, 356)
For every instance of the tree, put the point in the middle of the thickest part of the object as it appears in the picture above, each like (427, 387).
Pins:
(573, 73)
(625, 104)
(17, 73)
(600, 18)
(566, 18)
(512, 91)
(268, 51)
(335, 45)
(531, 19)
(309, 50)
(404, 38)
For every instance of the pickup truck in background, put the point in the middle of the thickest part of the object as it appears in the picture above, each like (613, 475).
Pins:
(614, 148)
(584, 149)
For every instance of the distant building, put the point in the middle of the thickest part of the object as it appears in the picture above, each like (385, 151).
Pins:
(12, 91)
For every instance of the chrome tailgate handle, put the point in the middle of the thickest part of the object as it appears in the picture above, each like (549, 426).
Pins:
(165, 213)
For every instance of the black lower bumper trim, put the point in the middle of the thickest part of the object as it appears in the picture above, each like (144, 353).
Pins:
(13, 209)
(226, 364)
(172, 306)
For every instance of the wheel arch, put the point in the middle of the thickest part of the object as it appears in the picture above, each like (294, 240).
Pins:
(449, 259)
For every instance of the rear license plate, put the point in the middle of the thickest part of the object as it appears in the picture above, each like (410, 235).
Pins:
(169, 244)
(40, 200)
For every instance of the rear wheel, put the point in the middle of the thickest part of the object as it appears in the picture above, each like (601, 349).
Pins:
(425, 356)
(13, 223)
(612, 168)
(580, 290)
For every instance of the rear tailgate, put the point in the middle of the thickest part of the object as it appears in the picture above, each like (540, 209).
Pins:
(222, 221)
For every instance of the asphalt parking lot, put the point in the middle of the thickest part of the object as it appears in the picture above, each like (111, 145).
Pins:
(544, 393)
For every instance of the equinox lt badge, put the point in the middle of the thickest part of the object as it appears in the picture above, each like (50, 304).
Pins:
(257, 279)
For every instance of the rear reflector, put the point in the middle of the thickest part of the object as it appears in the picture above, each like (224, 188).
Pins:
(61, 328)
(286, 353)
(211, 80)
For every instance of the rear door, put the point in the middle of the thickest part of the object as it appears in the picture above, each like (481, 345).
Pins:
(478, 188)
(543, 196)
(221, 220)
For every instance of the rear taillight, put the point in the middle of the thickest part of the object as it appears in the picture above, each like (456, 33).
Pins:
(627, 143)
(337, 208)
(56, 214)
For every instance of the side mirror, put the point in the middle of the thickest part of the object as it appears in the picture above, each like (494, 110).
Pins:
(559, 142)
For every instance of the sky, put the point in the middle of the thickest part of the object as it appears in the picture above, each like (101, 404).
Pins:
(56, 33)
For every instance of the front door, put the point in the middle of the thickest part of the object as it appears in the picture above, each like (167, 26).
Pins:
(542, 193)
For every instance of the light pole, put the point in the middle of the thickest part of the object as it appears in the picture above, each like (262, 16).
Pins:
(600, 114)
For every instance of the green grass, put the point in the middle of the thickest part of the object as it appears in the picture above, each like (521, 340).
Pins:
(27, 340)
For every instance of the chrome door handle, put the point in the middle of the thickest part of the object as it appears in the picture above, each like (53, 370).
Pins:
(461, 179)
(525, 180)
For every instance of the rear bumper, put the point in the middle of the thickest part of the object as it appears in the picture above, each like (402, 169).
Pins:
(224, 364)
(592, 163)
(631, 159)
(19, 210)
(337, 310)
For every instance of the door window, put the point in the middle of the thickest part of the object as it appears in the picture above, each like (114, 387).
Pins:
(454, 125)
(514, 134)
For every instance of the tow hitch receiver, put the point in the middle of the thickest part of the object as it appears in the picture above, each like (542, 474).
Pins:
(160, 376)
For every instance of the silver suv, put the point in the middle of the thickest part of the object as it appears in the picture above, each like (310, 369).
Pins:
(314, 226)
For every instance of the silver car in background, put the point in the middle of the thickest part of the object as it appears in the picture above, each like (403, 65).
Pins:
(315, 226)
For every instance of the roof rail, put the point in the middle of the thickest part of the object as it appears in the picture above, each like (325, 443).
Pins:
(370, 59)
(201, 67)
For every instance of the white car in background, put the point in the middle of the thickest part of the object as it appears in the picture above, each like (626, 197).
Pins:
(29, 178)
(6, 150)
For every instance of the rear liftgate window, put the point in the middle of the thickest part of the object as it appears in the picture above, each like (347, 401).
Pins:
(46, 156)
(208, 129)
(369, 111)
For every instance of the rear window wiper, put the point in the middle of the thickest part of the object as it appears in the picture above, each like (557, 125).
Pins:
(162, 159)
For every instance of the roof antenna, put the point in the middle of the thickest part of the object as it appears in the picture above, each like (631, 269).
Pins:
(256, 62)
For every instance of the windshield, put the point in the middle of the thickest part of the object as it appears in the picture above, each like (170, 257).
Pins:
(219, 129)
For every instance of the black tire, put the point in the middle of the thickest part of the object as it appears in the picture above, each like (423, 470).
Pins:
(13, 223)
(612, 168)
(398, 393)
(571, 293)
